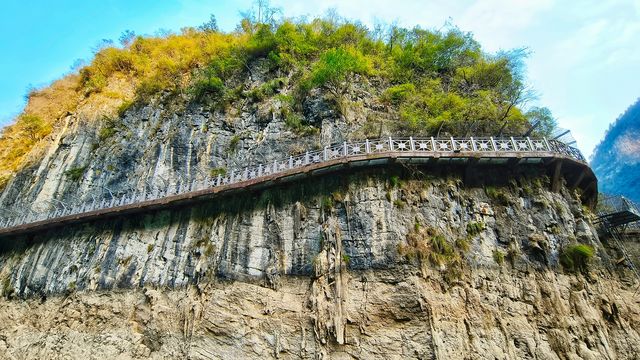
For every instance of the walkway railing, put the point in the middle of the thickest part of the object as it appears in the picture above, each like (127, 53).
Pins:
(414, 147)
(617, 211)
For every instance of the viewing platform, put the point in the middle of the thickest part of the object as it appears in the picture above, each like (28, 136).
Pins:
(617, 211)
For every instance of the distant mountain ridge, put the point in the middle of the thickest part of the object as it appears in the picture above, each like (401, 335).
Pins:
(616, 159)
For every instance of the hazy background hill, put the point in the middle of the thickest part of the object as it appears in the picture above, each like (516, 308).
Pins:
(616, 160)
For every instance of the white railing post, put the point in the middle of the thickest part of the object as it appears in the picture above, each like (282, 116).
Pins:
(367, 146)
(290, 162)
(433, 144)
(473, 144)
(344, 148)
(306, 158)
(324, 154)
(453, 144)
(390, 144)
(412, 145)
(260, 170)
(275, 167)
(547, 143)
(515, 145)
(493, 143)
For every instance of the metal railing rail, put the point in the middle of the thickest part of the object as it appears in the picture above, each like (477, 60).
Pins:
(615, 204)
(484, 147)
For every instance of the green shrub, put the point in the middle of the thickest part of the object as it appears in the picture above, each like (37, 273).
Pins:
(34, 127)
(212, 86)
(576, 257)
(394, 181)
(218, 171)
(474, 228)
(122, 109)
(336, 67)
(208, 251)
(267, 89)
(233, 144)
(337, 196)
(497, 195)
(75, 174)
(441, 252)
(463, 244)
(293, 121)
(7, 289)
(498, 256)
(106, 132)
(109, 128)
(399, 93)
(327, 203)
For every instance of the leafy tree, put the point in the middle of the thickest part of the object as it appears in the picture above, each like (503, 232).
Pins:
(126, 38)
(34, 127)
(542, 121)
(261, 14)
(211, 25)
(336, 67)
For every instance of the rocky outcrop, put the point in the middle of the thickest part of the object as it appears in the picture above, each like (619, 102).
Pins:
(433, 261)
(295, 273)
(494, 313)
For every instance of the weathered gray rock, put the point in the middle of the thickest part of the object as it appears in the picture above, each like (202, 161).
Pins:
(289, 276)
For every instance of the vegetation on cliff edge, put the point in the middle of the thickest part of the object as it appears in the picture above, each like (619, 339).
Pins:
(437, 81)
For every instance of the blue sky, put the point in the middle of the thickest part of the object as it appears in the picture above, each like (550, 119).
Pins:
(584, 63)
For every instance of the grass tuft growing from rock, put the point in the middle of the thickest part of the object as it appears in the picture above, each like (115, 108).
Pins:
(577, 257)
(475, 227)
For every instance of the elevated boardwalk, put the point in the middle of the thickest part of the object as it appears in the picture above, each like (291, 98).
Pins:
(616, 216)
(561, 161)
(617, 211)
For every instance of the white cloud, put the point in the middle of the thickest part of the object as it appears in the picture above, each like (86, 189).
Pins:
(498, 23)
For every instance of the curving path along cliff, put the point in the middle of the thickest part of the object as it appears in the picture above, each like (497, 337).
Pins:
(470, 151)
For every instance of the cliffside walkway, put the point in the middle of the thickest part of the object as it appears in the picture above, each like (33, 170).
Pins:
(617, 215)
(618, 211)
(561, 159)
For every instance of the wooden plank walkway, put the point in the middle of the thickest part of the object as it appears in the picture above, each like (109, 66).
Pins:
(564, 161)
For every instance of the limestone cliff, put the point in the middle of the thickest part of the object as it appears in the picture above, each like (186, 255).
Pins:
(294, 273)
(387, 262)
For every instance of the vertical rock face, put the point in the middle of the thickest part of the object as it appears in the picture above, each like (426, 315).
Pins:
(172, 141)
(296, 273)
(374, 263)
